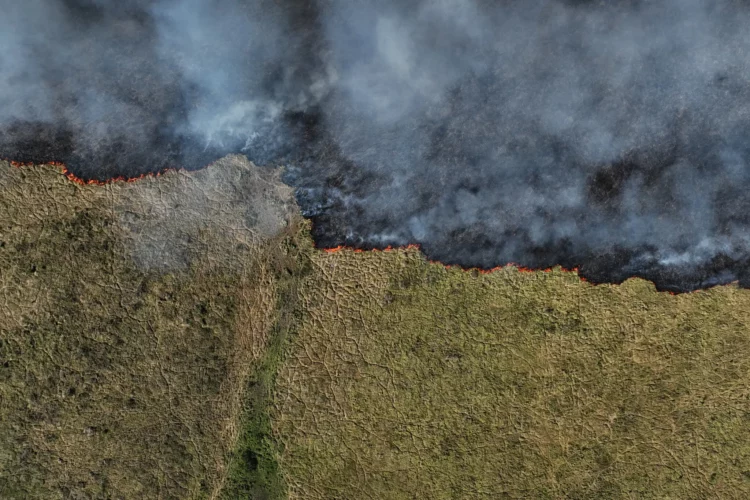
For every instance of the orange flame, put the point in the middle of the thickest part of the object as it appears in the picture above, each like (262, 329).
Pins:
(93, 182)
(414, 246)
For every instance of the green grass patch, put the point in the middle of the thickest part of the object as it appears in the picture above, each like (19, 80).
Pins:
(254, 472)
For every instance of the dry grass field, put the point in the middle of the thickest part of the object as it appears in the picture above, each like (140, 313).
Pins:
(407, 380)
(132, 316)
(180, 337)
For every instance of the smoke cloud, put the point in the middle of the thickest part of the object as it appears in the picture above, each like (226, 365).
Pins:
(612, 136)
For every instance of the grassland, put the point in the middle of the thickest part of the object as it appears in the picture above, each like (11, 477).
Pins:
(132, 317)
(180, 337)
(408, 380)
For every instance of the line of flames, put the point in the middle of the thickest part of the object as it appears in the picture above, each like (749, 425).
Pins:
(414, 246)
(523, 269)
(93, 182)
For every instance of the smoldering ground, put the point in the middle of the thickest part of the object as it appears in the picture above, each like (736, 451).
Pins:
(612, 136)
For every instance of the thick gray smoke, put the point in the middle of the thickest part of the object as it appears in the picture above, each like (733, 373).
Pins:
(124, 87)
(608, 135)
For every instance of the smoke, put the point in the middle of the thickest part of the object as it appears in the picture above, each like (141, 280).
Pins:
(133, 86)
(611, 136)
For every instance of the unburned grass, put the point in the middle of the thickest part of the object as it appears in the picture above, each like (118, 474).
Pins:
(131, 317)
(253, 471)
(166, 339)
(407, 380)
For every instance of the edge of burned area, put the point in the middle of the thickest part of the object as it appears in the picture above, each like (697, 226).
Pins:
(411, 246)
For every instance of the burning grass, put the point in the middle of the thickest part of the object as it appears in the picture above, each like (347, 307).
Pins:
(409, 380)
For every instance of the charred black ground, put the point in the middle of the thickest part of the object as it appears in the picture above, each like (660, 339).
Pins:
(610, 136)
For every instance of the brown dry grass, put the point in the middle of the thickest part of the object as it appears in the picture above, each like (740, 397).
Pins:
(145, 329)
(407, 380)
(130, 319)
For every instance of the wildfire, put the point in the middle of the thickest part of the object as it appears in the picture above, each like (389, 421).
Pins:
(413, 246)
(522, 269)
(93, 182)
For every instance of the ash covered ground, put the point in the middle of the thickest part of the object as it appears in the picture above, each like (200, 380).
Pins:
(609, 136)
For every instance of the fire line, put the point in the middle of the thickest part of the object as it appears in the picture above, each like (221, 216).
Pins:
(412, 246)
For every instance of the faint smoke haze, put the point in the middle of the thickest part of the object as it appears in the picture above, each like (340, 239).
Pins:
(607, 135)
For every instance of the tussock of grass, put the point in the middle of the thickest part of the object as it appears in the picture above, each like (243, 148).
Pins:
(407, 380)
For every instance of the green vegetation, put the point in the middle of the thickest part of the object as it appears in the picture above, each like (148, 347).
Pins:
(253, 470)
